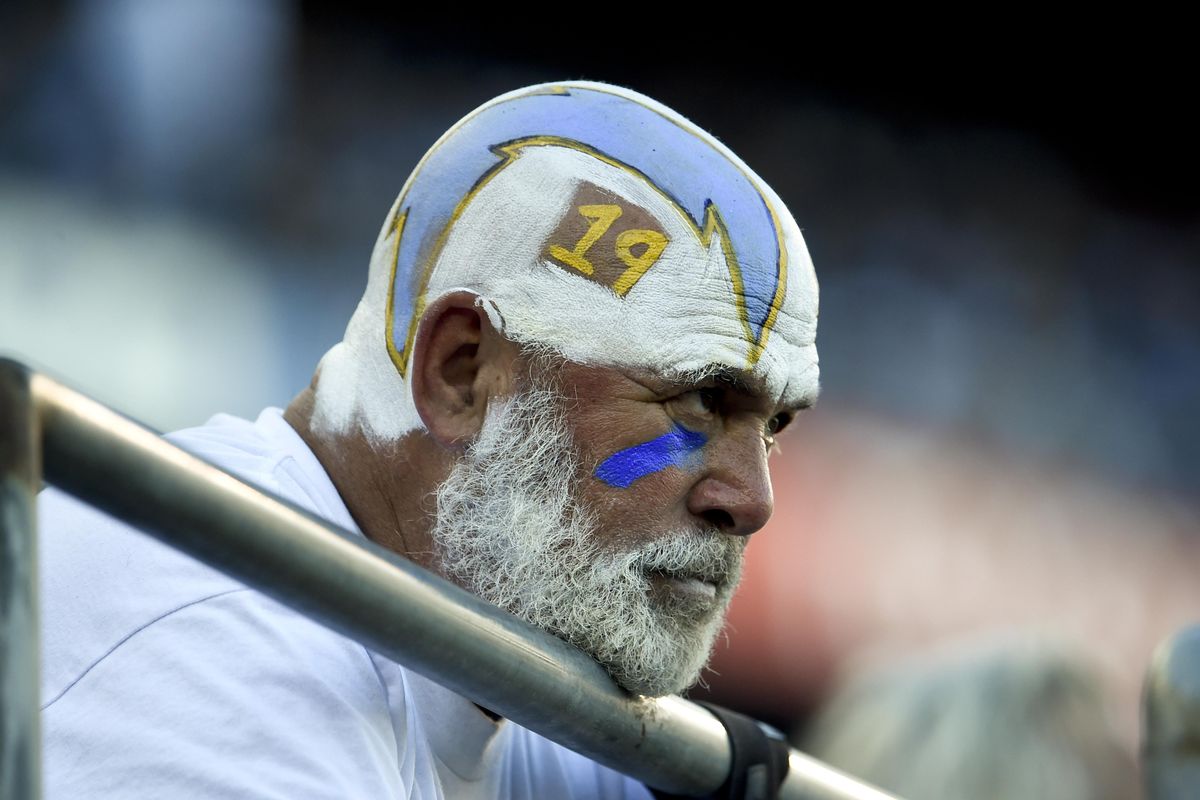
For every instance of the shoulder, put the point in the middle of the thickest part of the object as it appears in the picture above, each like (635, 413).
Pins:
(231, 641)
(103, 581)
(163, 677)
(270, 454)
(232, 695)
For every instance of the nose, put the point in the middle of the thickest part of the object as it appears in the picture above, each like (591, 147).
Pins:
(734, 491)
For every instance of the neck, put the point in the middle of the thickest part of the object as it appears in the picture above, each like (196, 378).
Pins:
(388, 487)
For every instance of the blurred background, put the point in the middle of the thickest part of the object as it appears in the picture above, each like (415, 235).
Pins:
(1007, 237)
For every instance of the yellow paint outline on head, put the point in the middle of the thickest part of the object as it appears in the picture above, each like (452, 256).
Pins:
(389, 321)
(756, 346)
(509, 152)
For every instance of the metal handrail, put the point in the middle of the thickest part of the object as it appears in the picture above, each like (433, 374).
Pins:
(331, 575)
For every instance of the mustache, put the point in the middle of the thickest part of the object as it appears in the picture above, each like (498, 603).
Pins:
(712, 556)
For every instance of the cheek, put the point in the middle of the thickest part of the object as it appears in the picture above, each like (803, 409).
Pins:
(679, 447)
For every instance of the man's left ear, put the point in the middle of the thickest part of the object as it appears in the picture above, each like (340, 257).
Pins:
(460, 363)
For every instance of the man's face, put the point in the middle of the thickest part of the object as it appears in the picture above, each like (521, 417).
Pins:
(612, 508)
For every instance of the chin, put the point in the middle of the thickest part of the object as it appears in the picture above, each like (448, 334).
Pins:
(666, 658)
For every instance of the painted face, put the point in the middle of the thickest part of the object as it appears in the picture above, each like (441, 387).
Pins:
(664, 452)
(599, 225)
(593, 221)
(634, 559)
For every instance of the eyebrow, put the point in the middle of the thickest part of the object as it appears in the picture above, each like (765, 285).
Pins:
(721, 374)
(731, 378)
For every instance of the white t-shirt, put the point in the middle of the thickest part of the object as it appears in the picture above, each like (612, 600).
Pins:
(162, 678)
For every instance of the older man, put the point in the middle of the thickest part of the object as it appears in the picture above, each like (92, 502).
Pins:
(585, 322)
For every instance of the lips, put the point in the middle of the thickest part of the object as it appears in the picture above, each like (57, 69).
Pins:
(710, 569)
(691, 585)
(695, 586)
(693, 574)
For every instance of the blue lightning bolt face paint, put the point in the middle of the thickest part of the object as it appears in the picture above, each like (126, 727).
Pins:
(672, 449)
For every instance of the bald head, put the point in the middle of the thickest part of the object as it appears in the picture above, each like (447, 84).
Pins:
(591, 221)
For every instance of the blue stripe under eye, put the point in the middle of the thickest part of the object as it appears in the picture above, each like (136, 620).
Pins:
(672, 449)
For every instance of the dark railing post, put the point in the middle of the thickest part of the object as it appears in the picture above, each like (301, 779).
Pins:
(20, 739)
(1171, 739)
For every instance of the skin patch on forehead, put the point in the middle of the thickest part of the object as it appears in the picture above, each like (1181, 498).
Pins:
(606, 239)
(674, 449)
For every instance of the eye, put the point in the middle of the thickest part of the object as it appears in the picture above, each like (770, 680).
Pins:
(700, 402)
(774, 425)
(778, 423)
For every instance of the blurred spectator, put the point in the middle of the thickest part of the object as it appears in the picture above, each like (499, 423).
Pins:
(995, 721)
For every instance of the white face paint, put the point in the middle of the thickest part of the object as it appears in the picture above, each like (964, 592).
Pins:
(681, 313)
(597, 222)
(510, 529)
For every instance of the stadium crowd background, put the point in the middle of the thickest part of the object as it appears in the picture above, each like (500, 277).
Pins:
(1008, 435)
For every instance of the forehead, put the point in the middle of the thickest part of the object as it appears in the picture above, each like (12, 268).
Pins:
(647, 383)
(751, 385)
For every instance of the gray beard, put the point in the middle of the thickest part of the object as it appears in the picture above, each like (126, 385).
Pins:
(509, 529)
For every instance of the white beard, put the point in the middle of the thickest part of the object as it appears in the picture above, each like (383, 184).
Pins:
(509, 528)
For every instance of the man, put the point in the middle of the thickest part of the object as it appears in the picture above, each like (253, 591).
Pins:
(584, 323)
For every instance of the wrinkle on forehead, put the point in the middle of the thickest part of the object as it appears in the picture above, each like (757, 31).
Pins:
(792, 397)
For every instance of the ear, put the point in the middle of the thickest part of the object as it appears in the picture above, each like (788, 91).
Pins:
(460, 362)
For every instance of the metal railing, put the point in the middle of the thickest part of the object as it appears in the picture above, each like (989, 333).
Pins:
(417, 619)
